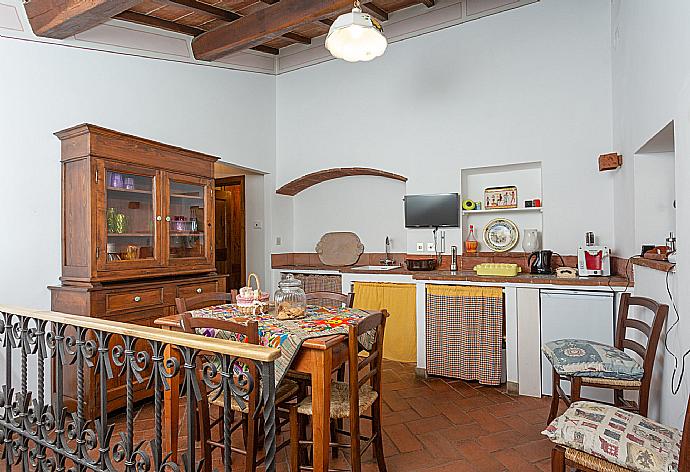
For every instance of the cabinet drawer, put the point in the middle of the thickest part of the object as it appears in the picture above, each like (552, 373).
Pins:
(134, 299)
(184, 291)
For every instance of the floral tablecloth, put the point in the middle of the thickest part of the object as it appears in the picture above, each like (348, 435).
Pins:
(288, 335)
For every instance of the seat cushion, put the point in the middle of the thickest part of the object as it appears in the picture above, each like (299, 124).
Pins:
(285, 391)
(340, 400)
(623, 438)
(579, 358)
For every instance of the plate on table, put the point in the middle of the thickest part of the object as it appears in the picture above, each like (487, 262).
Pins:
(501, 234)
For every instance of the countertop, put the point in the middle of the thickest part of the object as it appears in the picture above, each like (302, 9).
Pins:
(470, 276)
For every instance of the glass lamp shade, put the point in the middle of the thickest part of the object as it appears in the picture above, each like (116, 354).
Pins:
(355, 37)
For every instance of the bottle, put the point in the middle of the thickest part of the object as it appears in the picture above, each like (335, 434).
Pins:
(471, 242)
(453, 258)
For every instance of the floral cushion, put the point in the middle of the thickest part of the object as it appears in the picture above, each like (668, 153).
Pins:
(623, 438)
(575, 357)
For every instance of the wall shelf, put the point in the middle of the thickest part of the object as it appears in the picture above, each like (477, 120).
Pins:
(502, 210)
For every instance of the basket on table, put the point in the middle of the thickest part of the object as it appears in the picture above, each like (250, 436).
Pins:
(251, 301)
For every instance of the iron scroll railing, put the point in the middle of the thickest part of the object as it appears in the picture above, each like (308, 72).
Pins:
(40, 431)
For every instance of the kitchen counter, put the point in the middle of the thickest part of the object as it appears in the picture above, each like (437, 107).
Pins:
(470, 276)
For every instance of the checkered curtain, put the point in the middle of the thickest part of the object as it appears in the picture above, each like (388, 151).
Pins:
(464, 332)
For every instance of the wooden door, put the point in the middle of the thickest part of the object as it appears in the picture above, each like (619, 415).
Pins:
(188, 221)
(230, 231)
(127, 217)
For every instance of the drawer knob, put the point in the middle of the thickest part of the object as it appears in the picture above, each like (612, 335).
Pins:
(199, 290)
(167, 218)
(159, 218)
(137, 298)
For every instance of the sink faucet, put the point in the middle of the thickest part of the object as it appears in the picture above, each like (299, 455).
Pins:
(388, 260)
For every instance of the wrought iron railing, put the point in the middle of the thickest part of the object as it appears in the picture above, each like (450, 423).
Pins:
(41, 431)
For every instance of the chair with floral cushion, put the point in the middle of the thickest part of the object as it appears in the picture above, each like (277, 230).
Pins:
(596, 437)
(590, 364)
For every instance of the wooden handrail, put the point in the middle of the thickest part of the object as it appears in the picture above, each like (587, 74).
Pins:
(178, 338)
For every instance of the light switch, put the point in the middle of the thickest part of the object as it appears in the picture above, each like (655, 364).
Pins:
(279, 240)
(420, 247)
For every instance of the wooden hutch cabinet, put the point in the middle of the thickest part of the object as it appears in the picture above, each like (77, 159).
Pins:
(137, 231)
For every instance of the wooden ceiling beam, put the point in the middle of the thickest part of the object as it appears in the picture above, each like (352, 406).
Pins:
(134, 17)
(146, 20)
(263, 25)
(266, 49)
(298, 38)
(375, 11)
(202, 7)
(60, 19)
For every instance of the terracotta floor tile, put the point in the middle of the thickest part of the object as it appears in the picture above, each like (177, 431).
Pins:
(454, 413)
(514, 462)
(403, 439)
(397, 417)
(488, 421)
(426, 425)
(477, 456)
(536, 451)
(423, 407)
(433, 424)
(503, 440)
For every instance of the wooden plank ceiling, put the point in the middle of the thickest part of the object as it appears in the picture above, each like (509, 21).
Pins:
(269, 26)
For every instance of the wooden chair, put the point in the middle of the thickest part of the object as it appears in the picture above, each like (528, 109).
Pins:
(184, 305)
(563, 457)
(337, 298)
(350, 400)
(250, 422)
(646, 352)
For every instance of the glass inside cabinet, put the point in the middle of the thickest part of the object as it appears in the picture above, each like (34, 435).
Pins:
(187, 220)
(129, 216)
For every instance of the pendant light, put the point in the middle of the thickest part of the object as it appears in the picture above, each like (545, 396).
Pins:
(356, 36)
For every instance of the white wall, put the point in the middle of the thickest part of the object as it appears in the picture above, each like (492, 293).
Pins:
(342, 205)
(46, 88)
(531, 84)
(651, 68)
(654, 212)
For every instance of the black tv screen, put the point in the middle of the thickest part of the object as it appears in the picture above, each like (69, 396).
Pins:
(431, 211)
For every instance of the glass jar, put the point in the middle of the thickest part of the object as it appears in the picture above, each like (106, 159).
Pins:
(290, 299)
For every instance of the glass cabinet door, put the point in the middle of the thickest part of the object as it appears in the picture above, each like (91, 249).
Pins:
(188, 219)
(130, 218)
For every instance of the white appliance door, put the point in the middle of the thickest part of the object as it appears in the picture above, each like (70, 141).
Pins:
(576, 315)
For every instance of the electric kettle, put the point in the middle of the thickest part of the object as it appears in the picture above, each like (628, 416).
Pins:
(540, 262)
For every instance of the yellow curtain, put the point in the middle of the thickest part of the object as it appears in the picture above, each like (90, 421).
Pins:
(464, 291)
(400, 342)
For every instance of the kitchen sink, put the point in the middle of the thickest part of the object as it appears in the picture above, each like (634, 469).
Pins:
(376, 267)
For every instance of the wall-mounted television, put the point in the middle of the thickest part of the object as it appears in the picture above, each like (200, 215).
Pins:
(432, 211)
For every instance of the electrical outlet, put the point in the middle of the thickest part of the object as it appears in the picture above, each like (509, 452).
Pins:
(430, 247)
(420, 247)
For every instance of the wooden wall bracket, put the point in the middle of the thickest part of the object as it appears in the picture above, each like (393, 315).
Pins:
(611, 161)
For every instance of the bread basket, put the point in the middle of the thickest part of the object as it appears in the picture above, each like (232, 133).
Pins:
(252, 304)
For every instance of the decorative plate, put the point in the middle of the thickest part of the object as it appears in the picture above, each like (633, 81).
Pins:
(501, 235)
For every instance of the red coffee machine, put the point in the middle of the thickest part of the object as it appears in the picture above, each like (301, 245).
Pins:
(593, 260)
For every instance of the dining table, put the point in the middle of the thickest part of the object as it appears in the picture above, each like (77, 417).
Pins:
(318, 354)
